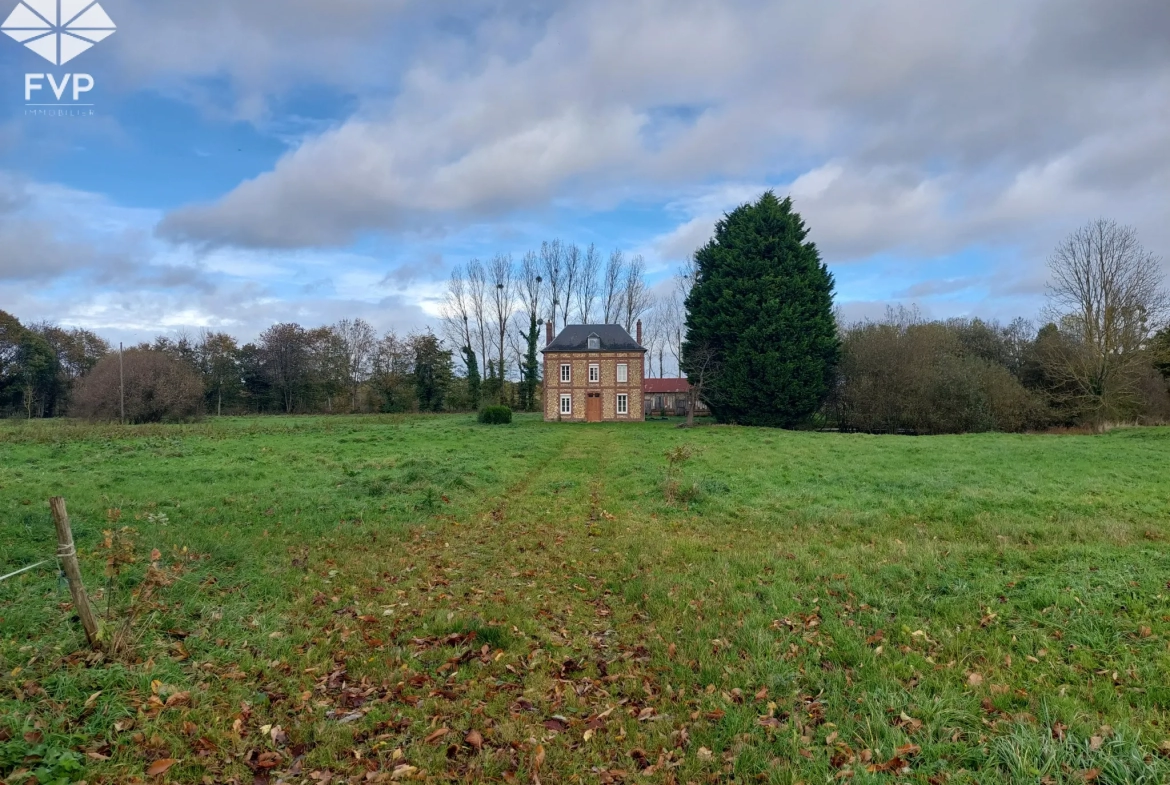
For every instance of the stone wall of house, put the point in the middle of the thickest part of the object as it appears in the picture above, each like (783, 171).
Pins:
(580, 386)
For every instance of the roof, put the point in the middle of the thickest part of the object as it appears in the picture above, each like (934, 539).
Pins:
(665, 386)
(575, 338)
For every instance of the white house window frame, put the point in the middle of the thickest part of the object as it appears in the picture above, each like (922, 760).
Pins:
(566, 373)
(595, 374)
(623, 373)
(566, 404)
(623, 404)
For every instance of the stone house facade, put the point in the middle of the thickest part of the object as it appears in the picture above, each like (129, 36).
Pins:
(593, 373)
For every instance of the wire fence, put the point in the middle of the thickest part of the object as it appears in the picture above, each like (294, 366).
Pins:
(26, 569)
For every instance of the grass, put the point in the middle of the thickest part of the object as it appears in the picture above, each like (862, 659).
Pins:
(367, 599)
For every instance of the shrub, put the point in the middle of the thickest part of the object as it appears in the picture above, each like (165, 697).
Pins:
(495, 415)
(158, 389)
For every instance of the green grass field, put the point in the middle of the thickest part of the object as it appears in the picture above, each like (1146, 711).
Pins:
(365, 599)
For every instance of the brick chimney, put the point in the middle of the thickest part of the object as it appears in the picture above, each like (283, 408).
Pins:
(548, 336)
(639, 332)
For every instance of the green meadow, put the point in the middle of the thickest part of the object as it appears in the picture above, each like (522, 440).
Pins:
(377, 599)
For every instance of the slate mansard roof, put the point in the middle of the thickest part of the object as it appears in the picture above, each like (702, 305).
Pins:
(575, 338)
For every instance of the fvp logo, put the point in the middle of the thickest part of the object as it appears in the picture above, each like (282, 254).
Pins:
(58, 30)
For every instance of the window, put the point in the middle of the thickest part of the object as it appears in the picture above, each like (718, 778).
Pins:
(623, 373)
(594, 343)
(594, 374)
(623, 404)
(566, 404)
(566, 373)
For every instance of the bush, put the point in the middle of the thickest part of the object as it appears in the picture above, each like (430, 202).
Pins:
(158, 389)
(905, 375)
(495, 415)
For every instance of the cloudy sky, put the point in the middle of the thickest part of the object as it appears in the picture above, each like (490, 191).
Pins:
(278, 160)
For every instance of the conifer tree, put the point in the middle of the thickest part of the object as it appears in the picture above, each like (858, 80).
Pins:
(760, 314)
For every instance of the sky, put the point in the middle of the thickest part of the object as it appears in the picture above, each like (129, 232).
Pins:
(245, 163)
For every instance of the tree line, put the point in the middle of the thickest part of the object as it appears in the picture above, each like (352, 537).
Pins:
(492, 316)
(749, 320)
(764, 347)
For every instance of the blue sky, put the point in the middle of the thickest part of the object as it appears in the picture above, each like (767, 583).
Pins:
(282, 160)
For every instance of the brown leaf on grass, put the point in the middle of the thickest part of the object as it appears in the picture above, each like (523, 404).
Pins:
(762, 694)
(178, 699)
(671, 650)
(474, 739)
(268, 760)
(436, 735)
(160, 767)
(1058, 729)
(556, 724)
(974, 679)
(1091, 775)
(1095, 743)
(402, 771)
(538, 759)
(155, 555)
(1145, 631)
(908, 750)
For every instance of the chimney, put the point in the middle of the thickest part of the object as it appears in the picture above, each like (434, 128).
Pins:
(639, 332)
(548, 336)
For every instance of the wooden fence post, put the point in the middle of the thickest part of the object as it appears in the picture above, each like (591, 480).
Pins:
(67, 554)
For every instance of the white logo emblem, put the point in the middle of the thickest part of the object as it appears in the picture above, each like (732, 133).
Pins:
(58, 30)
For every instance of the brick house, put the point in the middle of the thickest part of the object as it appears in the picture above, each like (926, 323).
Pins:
(593, 373)
(669, 396)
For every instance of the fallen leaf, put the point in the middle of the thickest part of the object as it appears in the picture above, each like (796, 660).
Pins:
(436, 735)
(474, 739)
(92, 699)
(1095, 743)
(160, 767)
(705, 754)
(538, 760)
(1091, 775)
(403, 771)
(974, 679)
(178, 699)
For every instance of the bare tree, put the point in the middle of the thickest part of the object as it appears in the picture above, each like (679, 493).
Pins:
(588, 284)
(357, 340)
(477, 287)
(611, 287)
(457, 310)
(1107, 298)
(552, 263)
(503, 299)
(702, 364)
(636, 298)
(570, 280)
(532, 282)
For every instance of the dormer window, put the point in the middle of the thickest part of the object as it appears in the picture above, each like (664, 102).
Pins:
(594, 343)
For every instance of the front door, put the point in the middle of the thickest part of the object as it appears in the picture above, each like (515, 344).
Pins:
(593, 407)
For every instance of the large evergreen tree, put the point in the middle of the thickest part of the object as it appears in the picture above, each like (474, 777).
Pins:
(760, 318)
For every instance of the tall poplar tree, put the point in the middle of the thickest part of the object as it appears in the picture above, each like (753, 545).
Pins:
(760, 318)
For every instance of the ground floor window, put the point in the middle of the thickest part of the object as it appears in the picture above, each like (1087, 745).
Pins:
(623, 404)
(566, 404)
